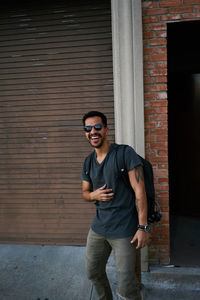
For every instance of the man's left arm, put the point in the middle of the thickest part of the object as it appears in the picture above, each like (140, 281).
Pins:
(136, 178)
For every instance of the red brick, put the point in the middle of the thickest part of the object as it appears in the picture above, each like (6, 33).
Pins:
(160, 159)
(196, 8)
(149, 138)
(148, 35)
(162, 34)
(163, 152)
(191, 16)
(177, 10)
(157, 57)
(158, 87)
(162, 124)
(164, 235)
(191, 2)
(157, 103)
(159, 145)
(149, 96)
(150, 19)
(161, 65)
(148, 80)
(164, 201)
(170, 3)
(171, 17)
(148, 65)
(160, 117)
(148, 51)
(149, 4)
(158, 242)
(159, 173)
(159, 131)
(161, 50)
(163, 167)
(158, 41)
(155, 11)
(149, 124)
(163, 180)
(161, 79)
(158, 26)
(162, 228)
(162, 138)
(162, 110)
(158, 72)
(161, 96)
(163, 195)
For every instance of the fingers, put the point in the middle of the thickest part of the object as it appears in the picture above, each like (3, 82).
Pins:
(108, 198)
(105, 195)
(103, 187)
(142, 238)
(133, 240)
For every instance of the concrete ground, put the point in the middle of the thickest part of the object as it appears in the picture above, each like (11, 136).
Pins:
(34, 272)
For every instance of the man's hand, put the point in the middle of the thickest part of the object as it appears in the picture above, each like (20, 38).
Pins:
(143, 239)
(102, 194)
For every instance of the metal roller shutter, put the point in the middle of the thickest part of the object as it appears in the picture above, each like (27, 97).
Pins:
(55, 65)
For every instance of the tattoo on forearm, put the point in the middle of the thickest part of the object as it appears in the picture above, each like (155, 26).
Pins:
(139, 174)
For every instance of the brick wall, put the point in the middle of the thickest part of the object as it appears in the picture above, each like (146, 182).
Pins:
(156, 15)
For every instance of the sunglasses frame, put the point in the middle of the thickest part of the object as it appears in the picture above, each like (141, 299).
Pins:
(97, 127)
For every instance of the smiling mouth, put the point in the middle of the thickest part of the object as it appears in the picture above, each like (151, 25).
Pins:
(95, 137)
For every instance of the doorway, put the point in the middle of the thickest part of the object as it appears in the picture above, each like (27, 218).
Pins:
(184, 142)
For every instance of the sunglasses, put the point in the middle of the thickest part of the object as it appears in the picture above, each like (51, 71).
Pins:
(97, 127)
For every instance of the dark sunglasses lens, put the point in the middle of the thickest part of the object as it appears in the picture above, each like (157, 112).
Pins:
(98, 127)
(87, 128)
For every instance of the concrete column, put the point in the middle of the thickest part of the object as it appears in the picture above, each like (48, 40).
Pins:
(128, 78)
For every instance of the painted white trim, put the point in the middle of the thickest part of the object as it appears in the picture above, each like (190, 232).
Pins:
(128, 72)
(128, 78)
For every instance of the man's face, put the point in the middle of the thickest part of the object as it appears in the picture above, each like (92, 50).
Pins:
(96, 137)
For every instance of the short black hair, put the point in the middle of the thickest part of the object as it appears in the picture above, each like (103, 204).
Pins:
(94, 113)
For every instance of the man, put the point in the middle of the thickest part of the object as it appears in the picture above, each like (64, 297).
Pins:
(115, 225)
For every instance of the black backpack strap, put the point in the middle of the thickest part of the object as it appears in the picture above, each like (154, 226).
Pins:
(121, 166)
(88, 164)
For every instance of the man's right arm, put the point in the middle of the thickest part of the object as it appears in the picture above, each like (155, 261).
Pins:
(101, 194)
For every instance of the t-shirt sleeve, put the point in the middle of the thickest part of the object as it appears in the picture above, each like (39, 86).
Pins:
(84, 175)
(132, 160)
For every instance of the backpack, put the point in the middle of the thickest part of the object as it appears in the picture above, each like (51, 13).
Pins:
(154, 214)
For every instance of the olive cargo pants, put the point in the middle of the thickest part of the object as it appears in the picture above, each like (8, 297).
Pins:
(98, 251)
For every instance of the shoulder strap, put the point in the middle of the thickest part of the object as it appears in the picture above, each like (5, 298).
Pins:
(88, 163)
(121, 166)
(120, 157)
(149, 178)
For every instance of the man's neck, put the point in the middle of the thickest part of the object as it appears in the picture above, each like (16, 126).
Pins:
(102, 151)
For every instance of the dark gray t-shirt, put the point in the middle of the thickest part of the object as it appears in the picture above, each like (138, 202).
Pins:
(116, 218)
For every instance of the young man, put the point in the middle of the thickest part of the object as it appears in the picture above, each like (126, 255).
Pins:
(117, 225)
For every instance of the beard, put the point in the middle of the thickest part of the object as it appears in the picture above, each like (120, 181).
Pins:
(92, 142)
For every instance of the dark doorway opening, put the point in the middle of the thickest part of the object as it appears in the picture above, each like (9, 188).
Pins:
(184, 142)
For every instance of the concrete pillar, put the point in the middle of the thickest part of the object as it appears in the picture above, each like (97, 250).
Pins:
(128, 78)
